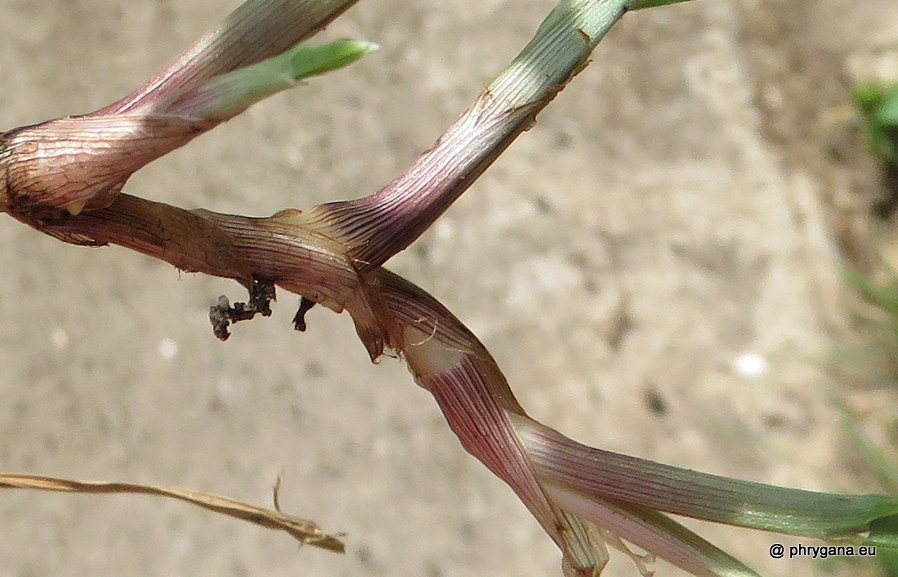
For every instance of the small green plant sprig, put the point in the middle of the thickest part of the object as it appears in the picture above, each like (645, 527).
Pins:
(879, 106)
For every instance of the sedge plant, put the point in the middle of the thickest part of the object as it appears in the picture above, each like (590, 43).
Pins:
(65, 178)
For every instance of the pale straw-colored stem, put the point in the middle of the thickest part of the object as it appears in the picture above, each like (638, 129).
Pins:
(302, 530)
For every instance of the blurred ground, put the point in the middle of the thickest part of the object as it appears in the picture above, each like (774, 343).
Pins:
(679, 213)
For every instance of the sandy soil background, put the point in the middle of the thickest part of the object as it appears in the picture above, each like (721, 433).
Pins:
(686, 202)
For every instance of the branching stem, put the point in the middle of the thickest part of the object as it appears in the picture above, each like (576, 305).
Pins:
(333, 255)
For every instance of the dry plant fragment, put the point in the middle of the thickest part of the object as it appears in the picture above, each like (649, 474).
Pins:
(222, 314)
(299, 319)
(302, 530)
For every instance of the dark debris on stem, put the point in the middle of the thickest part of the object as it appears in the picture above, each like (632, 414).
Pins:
(222, 314)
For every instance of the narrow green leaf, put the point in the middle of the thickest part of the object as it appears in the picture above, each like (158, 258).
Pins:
(639, 4)
(229, 94)
(310, 60)
(884, 532)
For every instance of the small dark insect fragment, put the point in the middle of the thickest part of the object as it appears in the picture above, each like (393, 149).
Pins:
(222, 314)
(299, 320)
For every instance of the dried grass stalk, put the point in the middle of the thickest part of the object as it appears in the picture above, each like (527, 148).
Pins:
(304, 531)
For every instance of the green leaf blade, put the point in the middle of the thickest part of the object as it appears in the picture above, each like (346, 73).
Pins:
(229, 94)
